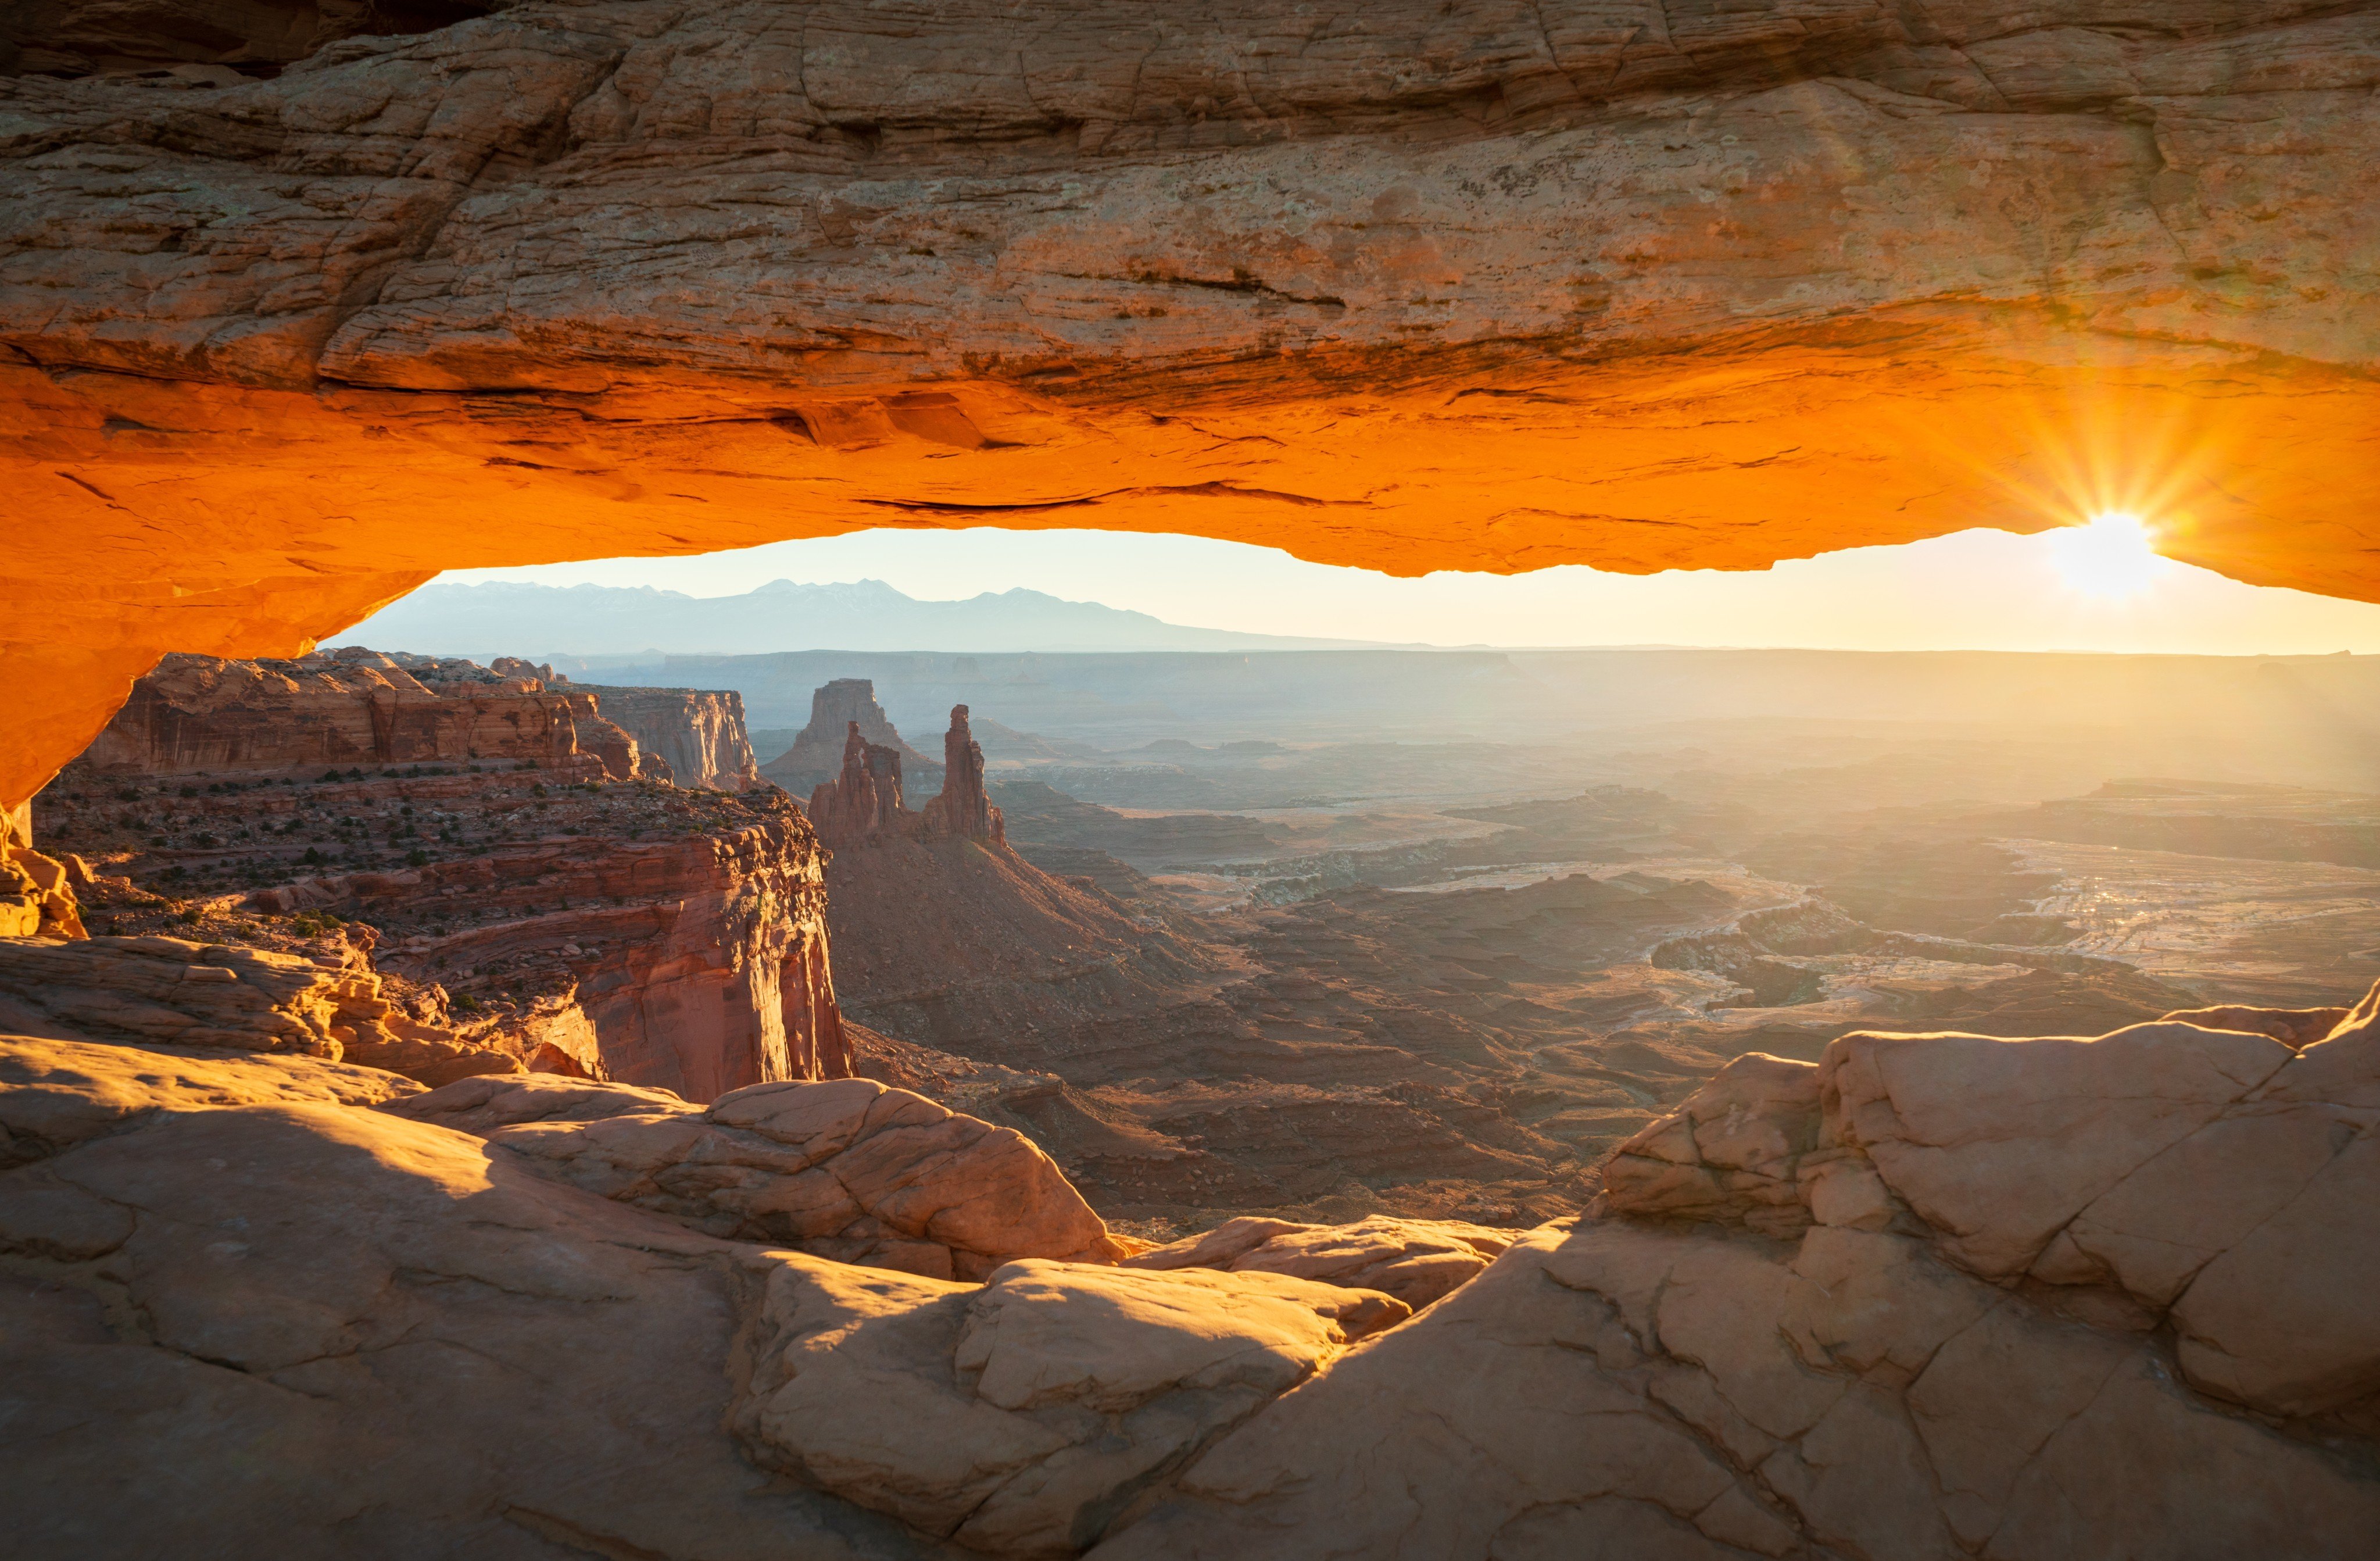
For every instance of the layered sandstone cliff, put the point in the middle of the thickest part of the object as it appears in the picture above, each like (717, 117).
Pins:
(628, 930)
(697, 735)
(201, 714)
(1637, 286)
(230, 997)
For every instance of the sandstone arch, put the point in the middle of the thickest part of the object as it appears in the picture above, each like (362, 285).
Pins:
(1492, 286)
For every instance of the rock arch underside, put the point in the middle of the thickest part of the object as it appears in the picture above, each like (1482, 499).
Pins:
(1489, 285)
(302, 301)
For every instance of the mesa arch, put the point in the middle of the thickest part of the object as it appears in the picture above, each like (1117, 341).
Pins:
(1498, 285)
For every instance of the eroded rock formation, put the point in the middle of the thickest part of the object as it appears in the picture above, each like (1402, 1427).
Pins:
(438, 1326)
(200, 714)
(1417, 1261)
(403, 1315)
(961, 810)
(37, 891)
(1022, 1417)
(170, 991)
(864, 801)
(849, 1170)
(209, 43)
(838, 708)
(2187, 1173)
(1954, 1352)
(1638, 285)
(697, 735)
(1900, 1374)
(628, 929)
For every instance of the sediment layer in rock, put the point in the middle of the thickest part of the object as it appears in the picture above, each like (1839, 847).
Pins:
(699, 734)
(170, 991)
(629, 930)
(1659, 286)
(203, 716)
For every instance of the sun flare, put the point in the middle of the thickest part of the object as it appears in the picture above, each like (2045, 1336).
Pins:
(2112, 558)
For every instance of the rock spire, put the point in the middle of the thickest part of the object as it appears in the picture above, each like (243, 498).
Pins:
(962, 808)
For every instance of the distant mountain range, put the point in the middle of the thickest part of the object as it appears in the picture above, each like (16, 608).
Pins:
(519, 619)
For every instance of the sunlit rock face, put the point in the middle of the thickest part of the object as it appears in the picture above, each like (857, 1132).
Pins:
(1496, 286)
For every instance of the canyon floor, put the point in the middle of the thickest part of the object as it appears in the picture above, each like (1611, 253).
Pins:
(1446, 980)
(1312, 980)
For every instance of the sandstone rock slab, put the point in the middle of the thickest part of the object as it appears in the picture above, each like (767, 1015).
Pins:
(1618, 1389)
(1417, 1261)
(1021, 1418)
(306, 1330)
(153, 989)
(848, 1169)
(2164, 1172)
(55, 1094)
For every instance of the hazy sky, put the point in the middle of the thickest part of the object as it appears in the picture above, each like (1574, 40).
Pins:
(2096, 588)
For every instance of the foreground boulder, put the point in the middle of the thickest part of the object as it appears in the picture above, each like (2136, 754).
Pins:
(1935, 1296)
(2165, 1174)
(1021, 1417)
(251, 1297)
(1609, 1392)
(54, 1094)
(846, 1169)
(241, 1315)
(235, 1318)
(1416, 1260)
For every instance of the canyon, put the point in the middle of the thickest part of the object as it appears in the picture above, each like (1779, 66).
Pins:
(428, 1119)
(556, 908)
(1542, 1188)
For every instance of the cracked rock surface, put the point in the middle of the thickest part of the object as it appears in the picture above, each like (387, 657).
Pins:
(252, 1320)
(1022, 1417)
(243, 1314)
(1934, 1296)
(2054, 1299)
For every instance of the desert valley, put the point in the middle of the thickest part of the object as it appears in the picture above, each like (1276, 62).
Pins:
(1330, 1051)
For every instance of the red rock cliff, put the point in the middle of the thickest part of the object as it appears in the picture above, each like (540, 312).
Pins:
(864, 801)
(352, 707)
(698, 963)
(962, 808)
(698, 733)
(818, 752)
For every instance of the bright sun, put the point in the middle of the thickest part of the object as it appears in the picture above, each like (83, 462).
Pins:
(2111, 558)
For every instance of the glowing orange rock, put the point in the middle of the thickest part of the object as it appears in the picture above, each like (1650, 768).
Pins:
(1633, 285)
